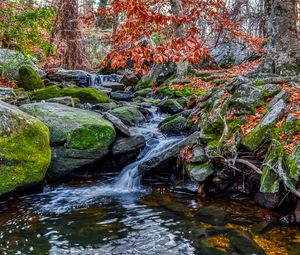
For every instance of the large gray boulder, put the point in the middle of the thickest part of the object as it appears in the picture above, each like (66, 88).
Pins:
(11, 61)
(229, 54)
(78, 137)
(24, 149)
(168, 156)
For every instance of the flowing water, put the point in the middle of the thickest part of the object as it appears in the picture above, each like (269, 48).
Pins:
(121, 216)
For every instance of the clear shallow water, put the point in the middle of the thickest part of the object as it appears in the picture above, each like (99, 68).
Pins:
(63, 221)
(123, 217)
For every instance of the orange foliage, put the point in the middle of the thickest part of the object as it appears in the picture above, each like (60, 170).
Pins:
(144, 18)
(253, 120)
(5, 82)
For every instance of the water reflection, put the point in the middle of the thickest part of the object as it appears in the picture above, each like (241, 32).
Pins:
(72, 219)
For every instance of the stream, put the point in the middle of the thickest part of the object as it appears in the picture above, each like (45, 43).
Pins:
(121, 215)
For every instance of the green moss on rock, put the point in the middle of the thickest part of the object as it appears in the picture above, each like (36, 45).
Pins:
(78, 137)
(175, 126)
(143, 92)
(199, 172)
(144, 84)
(24, 149)
(85, 95)
(130, 115)
(293, 163)
(29, 79)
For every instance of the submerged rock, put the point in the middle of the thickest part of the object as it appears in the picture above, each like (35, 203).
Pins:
(24, 149)
(243, 244)
(129, 115)
(78, 137)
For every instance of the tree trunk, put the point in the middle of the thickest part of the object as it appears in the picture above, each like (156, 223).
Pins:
(182, 67)
(70, 40)
(283, 50)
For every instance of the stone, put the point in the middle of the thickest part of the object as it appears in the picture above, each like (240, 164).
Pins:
(14, 96)
(104, 106)
(243, 243)
(274, 114)
(11, 61)
(167, 157)
(293, 163)
(269, 90)
(283, 95)
(122, 96)
(268, 200)
(128, 144)
(78, 137)
(129, 115)
(143, 92)
(170, 106)
(114, 86)
(29, 79)
(129, 80)
(198, 155)
(246, 96)
(24, 149)
(199, 172)
(174, 126)
(145, 83)
(85, 95)
(211, 215)
(68, 101)
(230, 54)
(119, 125)
(263, 129)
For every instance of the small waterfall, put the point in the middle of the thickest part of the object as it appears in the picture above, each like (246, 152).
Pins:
(129, 180)
(67, 198)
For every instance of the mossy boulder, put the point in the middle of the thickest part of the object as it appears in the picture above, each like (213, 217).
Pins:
(143, 92)
(269, 182)
(29, 79)
(265, 127)
(78, 137)
(85, 95)
(148, 100)
(247, 97)
(170, 106)
(147, 83)
(130, 115)
(24, 149)
(174, 126)
(293, 163)
(198, 172)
